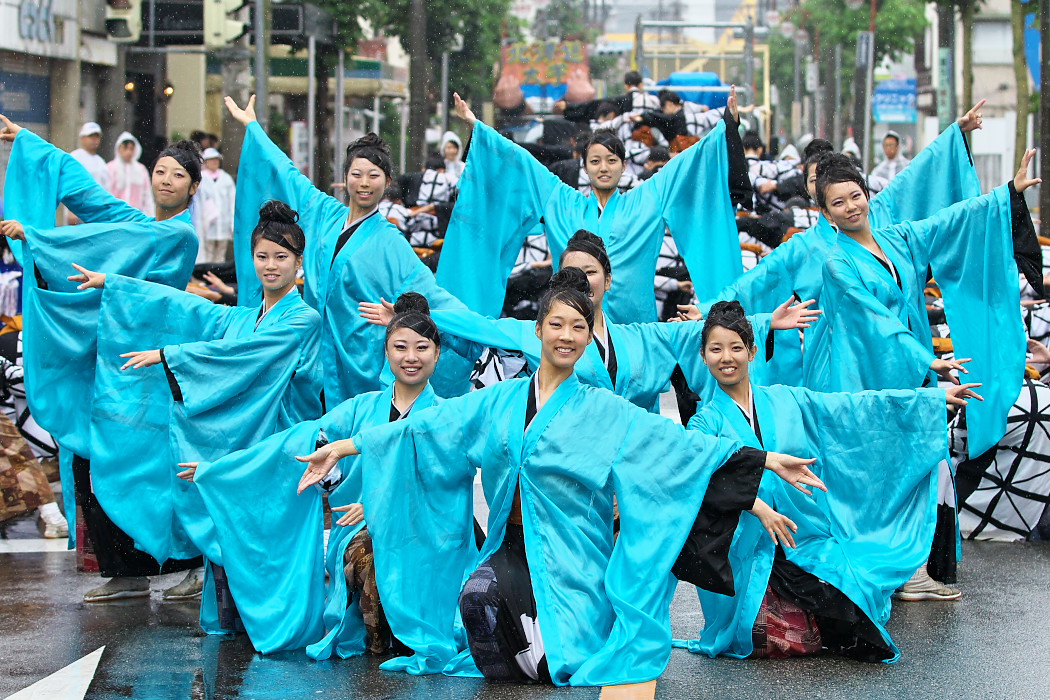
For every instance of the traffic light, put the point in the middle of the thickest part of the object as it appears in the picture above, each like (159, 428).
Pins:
(124, 20)
(219, 28)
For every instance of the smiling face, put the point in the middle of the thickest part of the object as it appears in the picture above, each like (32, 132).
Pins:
(412, 357)
(275, 265)
(846, 206)
(365, 183)
(727, 357)
(172, 186)
(604, 167)
(564, 335)
(596, 276)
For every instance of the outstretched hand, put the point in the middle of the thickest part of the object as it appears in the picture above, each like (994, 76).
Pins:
(88, 279)
(779, 526)
(318, 464)
(140, 359)
(380, 314)
(688, 312)
(800, 315)
(943, 368)
(972, 119)
(956, 395)
(188, 470)
(245, 116)
(9, 130)
(463, 110)
(795, 471)
(732, 105)
(1021, 180)
(355, 513)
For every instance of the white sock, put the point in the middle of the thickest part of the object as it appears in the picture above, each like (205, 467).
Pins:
(50, 513)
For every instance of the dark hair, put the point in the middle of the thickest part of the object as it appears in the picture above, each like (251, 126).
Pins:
(729, 315)
(752, 142)
(632, 78)
(569, 286)
(278, 223)
(834, 168)
(393, 192)
(604, 107)
(188, 154)
(817, 147)
(434, 162)
(584, 241)
(668, 96)
(374, 150)
(658, 154)
(609, 139)
(412, 311)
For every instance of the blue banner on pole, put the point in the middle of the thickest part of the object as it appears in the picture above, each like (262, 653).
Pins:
(894, 102)
(1032, 48)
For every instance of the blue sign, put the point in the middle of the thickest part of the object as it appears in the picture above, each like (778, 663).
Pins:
(25, 99)
(894, 102)
(1032, 48)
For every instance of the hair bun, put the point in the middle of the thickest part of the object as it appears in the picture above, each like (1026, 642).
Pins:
(412, 302)
(186, 145)
(369, 140)
(278, 211)
(570, 278)
(727, 311)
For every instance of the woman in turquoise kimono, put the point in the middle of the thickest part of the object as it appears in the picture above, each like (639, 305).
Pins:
(632, 360)
(352, 254)
(941, 175)
(818, 573)
(553, 453)
(278, 592)
(505, 192)
(236, 375)
(61, 339)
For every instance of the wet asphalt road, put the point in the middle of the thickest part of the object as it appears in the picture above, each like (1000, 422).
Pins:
(988, 645)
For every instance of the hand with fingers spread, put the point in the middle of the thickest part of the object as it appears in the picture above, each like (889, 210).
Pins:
(688, 312)
(88, 279)
(141, 358)
(1021, 180)
(245, 116)
(957, 395)
(9, 130)
(321, 461)
(213, 279)
(795, 471)
(380, 314)
(943, 368)
(13, 230)
(188, 470)
(463, 110)
(972, 119)
(780, 527)
(355, 513)
(800, 315)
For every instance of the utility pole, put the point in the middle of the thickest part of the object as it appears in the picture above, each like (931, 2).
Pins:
(1044, 113)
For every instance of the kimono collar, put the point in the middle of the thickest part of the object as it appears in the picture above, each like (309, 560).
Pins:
(283, 301)
(523, 442)
(730, 410)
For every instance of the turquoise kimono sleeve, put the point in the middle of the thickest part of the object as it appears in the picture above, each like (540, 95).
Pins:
(270, 174)
(272, 540)
(859, 343)
(941, 175)
(418, 497)
(970, 248)
(502, 195)
(657, 458)
(697, 209)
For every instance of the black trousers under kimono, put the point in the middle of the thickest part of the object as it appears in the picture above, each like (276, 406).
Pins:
(114, 549)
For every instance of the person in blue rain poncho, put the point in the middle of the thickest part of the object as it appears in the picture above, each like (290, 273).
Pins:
(279, 592)
(236, 375)
(633, 360)
(818, 573)
(941, 175)
(581, 608)
(505, 192)
(61, 340)
(353, 254)
(875, 332)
